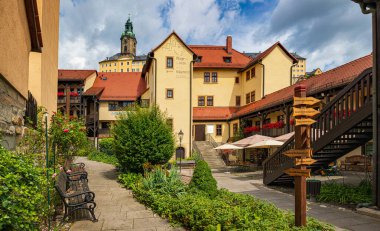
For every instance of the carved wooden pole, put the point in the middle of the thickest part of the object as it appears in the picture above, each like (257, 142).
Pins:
(302, 141)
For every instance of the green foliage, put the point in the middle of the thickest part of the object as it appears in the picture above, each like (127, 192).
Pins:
(69, 135)
(195, 210)
(103, 157)
(106, 146)
(130, 179)
(142, 136)
(23, 204)
(203, 180)
(345, 194)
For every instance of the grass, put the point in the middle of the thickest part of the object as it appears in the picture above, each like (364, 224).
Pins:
(345, 194)
(103, 157)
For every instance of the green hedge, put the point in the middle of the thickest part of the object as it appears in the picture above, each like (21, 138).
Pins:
(22, 186)
(106, 146)
(103, 157)
(203, 180)
(195, 210)
(345, 193)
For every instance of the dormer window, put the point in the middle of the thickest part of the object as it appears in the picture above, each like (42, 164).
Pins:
(227, 59)
(199, 59)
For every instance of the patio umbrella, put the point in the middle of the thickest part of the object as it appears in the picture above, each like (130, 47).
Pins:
(284, 137)
(251, 140)
(266, 144)
(227, 147)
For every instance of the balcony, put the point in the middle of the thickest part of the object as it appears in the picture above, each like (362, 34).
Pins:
(73, 100)
(92, 118)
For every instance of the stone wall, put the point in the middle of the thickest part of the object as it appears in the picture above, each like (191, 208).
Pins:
(12, 110)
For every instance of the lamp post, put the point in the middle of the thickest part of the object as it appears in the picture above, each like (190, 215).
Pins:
(46, 115)
(373, 7)
(180, 135)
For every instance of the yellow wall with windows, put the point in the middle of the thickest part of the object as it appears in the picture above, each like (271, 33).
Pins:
(177, 78)
(121, 65)
(277, 71)
(217, 138)
(105, 114)
(299, 69)
(224, 91)
(253, 84)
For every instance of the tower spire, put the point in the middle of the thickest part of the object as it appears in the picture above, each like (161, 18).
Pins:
(128, 38)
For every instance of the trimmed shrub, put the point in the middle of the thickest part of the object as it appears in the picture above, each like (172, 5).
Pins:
(106, 146)
(203, 180)
(23, 204)
(102, 157)
(142, 136)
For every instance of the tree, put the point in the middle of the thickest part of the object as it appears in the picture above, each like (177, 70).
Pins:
(142, 136)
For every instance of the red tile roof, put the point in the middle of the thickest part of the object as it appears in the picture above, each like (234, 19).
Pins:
(74, 75)
(93, 91)
(333, 78)
(267, 52)
(212, 113)
(118, 86)
(212, 56)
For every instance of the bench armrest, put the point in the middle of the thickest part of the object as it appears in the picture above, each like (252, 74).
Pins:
(90, 196)
(82, 176)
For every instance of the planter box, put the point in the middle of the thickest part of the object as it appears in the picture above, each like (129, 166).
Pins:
(313, 187)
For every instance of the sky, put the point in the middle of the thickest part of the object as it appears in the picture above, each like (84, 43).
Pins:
(328, 33)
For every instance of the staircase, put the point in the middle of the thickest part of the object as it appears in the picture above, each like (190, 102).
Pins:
(343, 125)
(209, 154)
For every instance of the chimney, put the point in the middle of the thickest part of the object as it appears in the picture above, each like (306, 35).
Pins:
(229, 44)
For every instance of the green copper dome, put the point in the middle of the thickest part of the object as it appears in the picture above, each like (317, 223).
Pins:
(128, 31)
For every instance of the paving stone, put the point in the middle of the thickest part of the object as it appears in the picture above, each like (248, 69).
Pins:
(117, 224)
(87, 225)
(149, 223)
(140, 214)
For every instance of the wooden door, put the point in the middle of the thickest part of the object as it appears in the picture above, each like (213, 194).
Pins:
(200, 134)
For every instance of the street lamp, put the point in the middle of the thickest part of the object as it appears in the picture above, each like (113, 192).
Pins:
(180, 135)
(46, 115)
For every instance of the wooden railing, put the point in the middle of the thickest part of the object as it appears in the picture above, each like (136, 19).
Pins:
(211, 140)
(31, 111)
(91, 118)
(352, 98)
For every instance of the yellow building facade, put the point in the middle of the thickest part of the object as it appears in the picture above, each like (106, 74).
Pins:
(217, 80)
(126, 60)
(28, 62)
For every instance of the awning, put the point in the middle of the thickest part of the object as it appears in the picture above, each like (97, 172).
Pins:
(266, 144)
(285, 137)
(227, 147)
(251, 140)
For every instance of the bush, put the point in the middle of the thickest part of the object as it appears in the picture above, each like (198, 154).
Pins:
(103, 157)
(203, 180)
(226, 211)
(106, 146)
(142, 136)
(129, 179)
(345, 194)
(23, 205)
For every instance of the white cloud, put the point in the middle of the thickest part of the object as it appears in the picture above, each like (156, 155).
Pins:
(328, 32)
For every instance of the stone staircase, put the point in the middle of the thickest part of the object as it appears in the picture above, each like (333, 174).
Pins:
(210, 155)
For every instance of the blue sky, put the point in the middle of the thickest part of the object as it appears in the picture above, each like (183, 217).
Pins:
(327, 32)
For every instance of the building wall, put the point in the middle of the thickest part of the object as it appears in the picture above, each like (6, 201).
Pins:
(218, 138)
(300, 68)
(105, 114)
(277, 71)
(253, 84)
(15, 45)
(178, 79)
(89, 81)
(49, 59)
(34, 82)
(123, 64)
(224, 91)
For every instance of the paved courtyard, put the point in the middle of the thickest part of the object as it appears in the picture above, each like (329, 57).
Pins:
(116, 208)
(342, 218)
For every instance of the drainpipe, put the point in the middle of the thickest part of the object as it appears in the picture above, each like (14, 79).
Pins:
(150, 55)
(291, 73)
(191, 105)
(263, 91)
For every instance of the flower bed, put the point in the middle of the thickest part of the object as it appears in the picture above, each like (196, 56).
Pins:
(195, 209)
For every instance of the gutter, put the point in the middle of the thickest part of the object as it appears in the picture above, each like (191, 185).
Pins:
(291, 73)
(191, 105)
(263, 91)
(155, 76)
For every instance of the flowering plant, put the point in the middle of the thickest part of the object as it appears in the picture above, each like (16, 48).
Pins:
(61, 93)
(74, 94)
(252, 129)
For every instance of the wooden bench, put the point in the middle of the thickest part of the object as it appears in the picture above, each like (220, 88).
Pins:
(75, 194)
(356, 163)
(186, 163)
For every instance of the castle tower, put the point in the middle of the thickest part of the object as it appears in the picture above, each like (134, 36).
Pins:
(128, 40)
